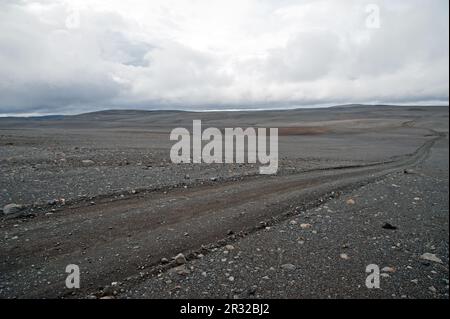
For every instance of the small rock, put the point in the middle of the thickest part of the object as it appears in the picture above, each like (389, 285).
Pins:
(409, 171)
(344, 256)
(164, 260)
(431, 257)
(87, 162)
(388, 269)
(389, 226)
(229, 247)
(181, 270)
(231, 278)
(108, 291)
(350, 201)
(288, 267)
(305, 226)
(12, 209)
(180, 259)
(432, 289)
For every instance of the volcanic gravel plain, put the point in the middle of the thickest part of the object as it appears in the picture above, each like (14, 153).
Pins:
(356, 186)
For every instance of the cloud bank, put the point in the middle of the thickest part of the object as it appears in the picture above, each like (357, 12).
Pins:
(60, 56)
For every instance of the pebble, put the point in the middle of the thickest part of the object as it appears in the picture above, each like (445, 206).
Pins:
(12, 209)
(345, 256)
(389, 226)
(431, 257)
(180, 259)
(388, 269)
(288, 267)
(87, 162)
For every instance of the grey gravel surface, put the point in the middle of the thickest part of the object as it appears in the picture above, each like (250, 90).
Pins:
(356, 186)
(328, 256)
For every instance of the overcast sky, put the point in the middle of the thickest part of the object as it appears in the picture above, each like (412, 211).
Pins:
(74, 56)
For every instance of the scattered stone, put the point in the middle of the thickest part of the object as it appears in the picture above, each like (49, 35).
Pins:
(231, 278)
(108, 291)
(388, 269)
(389, 226)
(350, 201)
(288, 267)
(432, 289)
(181, 270)
(164, 260)
(344, 256)
(431, 257)
(415, 281)
(12, 209)
(229, 247)
(87, 162)
(305, 226)
(180, 259)
(293, 222)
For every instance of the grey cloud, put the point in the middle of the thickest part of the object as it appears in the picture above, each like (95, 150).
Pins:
(276, 54)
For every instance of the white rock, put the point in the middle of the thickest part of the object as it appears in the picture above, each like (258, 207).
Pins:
(431, 257)
(345, 256)
(388, 269)
(12, 209)
(87, 162)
